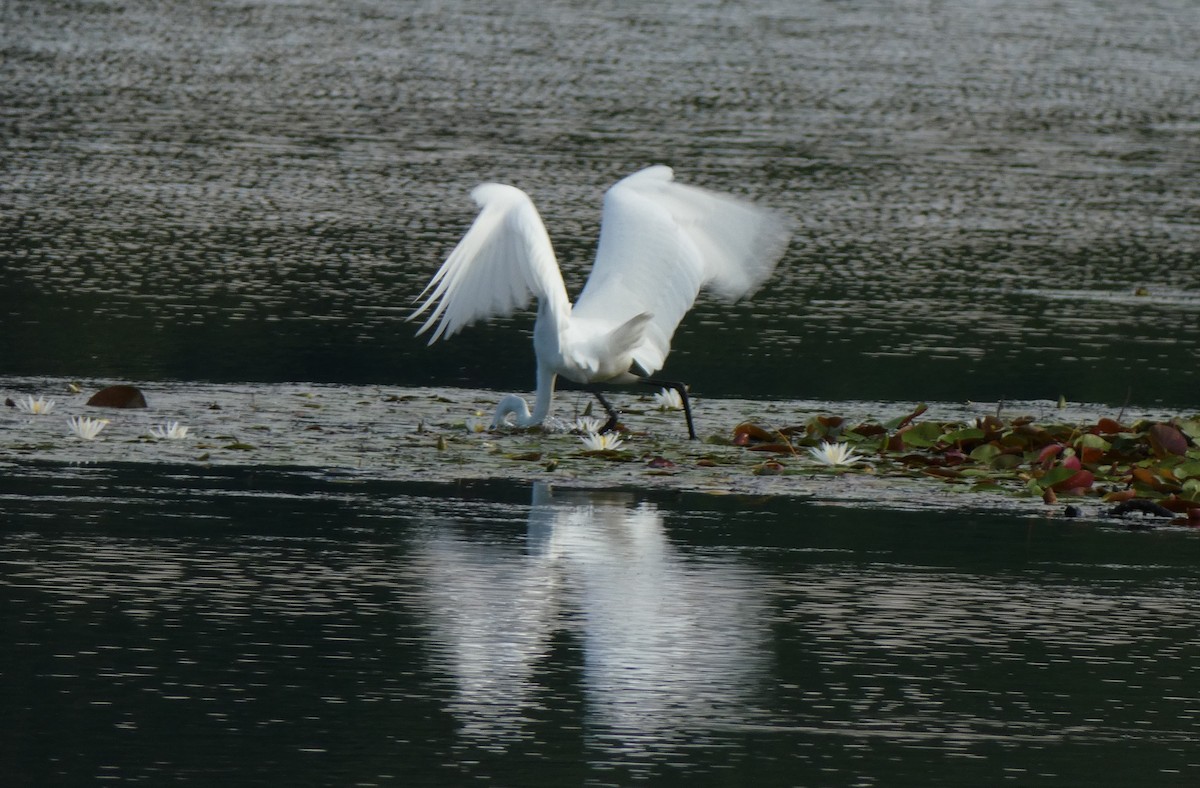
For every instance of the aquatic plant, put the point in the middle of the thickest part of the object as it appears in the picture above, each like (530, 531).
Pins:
(833, 454)
(36, 407)
(603, 441)
(588, 424)
(1155, 461)
(86, 428)
(170, 430)
(668, 399)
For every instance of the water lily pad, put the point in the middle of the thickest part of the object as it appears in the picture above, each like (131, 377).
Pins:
(1092, 441)
(922, 435)
(1166, 440)
(1187, 470)
(963, 435)
(747, 433)
(1189, 427)
(986, 453)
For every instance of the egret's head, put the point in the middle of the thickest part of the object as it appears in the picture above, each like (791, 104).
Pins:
(511, 405)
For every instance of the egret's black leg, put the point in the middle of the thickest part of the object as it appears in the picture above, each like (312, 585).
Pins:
(613, 415)
(683, 397)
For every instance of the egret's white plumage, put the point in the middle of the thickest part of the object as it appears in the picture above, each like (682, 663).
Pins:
(660, 243)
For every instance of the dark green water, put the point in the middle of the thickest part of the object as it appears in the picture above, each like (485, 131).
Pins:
(237, 191)
(260, 628)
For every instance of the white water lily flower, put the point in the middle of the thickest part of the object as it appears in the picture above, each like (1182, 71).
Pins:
(170, 430)
(833, 453)
(588, 424)
(605, 441)
(86, 428)
(36, 407)
(668, 399)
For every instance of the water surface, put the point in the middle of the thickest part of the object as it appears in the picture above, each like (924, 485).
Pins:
(256, 190)
(253, 626)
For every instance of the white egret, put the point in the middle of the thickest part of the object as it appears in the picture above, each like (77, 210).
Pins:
(660, 243)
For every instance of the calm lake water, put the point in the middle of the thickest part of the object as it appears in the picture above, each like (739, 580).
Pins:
(994, 200)
(257, 627)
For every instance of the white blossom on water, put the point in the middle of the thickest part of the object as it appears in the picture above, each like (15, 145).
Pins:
(86, 428)
(36, 407)
(605, 441)
(170, 430)
(833, 454)
(668, 399)
(588, 424)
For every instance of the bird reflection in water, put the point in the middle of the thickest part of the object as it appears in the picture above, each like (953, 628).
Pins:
(671, 642)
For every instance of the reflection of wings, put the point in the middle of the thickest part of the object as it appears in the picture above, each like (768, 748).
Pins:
(503, 260)
(661, 241)
(491, 621)
(667, 641)
(600, 561)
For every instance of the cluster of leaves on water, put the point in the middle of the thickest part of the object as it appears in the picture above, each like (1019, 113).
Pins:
(1148, 466)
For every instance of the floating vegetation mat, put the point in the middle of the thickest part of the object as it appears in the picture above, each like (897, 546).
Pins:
(1150, 466)
(1040, 458)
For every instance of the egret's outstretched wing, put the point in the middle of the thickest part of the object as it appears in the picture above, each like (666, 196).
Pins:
(661, 241)
(504, 258)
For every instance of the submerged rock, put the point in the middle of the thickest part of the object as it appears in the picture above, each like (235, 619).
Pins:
(118, 397)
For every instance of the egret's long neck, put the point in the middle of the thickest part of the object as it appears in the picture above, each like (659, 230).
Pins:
(553, 316)
(512, 404)
(545, 395)
(554, 313)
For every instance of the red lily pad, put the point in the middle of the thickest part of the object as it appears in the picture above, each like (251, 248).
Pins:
(770, 468)
(1077, 482)
(1176, 504)
(118, 397)
(1149, 478)
(1165, 440)
(746, 433)
(1048, 453)
(1063, 478)
(869, 430)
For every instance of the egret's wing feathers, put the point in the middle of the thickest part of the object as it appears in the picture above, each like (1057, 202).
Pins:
(661, 242)
(503, 260)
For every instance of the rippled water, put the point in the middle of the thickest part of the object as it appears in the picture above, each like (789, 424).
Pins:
(256, 190)
(185, 625)
(995, 201)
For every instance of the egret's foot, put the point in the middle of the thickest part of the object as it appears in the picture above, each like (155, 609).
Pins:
(611, 424)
